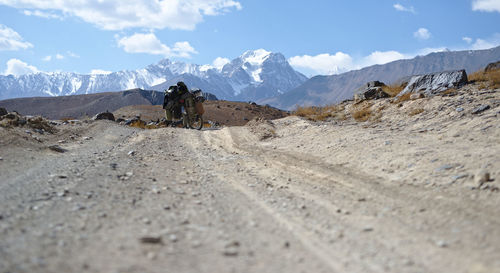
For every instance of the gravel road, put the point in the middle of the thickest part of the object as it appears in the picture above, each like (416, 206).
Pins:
(268, 197)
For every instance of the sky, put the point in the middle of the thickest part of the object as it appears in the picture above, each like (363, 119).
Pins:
(316, 36)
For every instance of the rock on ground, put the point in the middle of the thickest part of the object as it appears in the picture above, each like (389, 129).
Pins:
(104, 115)
(492, 66)
(3, 111)
(371, 90)
(435, 83)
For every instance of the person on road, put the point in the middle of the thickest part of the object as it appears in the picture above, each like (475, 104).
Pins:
(175, 97)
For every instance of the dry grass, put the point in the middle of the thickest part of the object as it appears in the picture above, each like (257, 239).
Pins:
(67, 118)
(378, 113)
(404, 97)
(393, 90)
(490, 79)
(315, 113)
(416, 111)
(450, 92)
(143, 125)
(138, 124)
(362, 112)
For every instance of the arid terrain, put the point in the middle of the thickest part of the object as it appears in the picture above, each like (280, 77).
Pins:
(225, 113)
(415, 188)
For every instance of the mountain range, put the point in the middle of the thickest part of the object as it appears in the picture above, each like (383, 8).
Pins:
(324, 90)
(255, 75)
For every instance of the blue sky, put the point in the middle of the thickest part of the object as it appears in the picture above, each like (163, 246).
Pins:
(317, 36)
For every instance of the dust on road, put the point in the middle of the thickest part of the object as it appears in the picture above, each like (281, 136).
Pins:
(282, 196)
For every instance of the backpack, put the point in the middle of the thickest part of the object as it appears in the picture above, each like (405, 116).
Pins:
(169, 97)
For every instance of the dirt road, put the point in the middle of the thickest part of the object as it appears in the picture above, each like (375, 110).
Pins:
(283, 196)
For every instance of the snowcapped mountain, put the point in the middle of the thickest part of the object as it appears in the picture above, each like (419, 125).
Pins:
(254, 75)
(259, 74)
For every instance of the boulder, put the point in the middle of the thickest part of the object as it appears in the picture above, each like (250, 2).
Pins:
(435, 83)
(480, 109)
(375, 84)
(13, 116)
(492, 66)
(209, 96)
(104, 115)
(3, 111)
(371, 90)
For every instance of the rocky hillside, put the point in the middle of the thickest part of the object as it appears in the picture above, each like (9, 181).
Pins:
(78, 106)
(252, 76)
(321, 90)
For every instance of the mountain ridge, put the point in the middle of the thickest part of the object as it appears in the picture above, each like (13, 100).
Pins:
(322, 90)
(251, 76)
(78, 106)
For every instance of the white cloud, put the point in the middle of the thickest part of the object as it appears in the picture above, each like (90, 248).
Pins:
(486, 5)
(183, 49)
(482, 44)
(100, 72)
(119, 14)
(72, 55)
(428, 50)
(220, 62)
(17, 67)
(217, 7)
(422, 34)
(379, 57)
(144, 43)
(11, 40)
(41, 14)
(487, 43)
(403, 8)
(325, 64)
(150, 44)
(59, 56)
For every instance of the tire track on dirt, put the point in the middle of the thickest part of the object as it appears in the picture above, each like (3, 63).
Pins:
(307, 233)
(314, 246)
(355, 186)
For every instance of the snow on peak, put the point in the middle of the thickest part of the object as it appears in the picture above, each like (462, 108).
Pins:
(255, 57)
(252, 63)
(205, 67)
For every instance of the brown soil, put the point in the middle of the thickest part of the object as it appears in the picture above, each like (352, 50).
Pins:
(226, 113)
